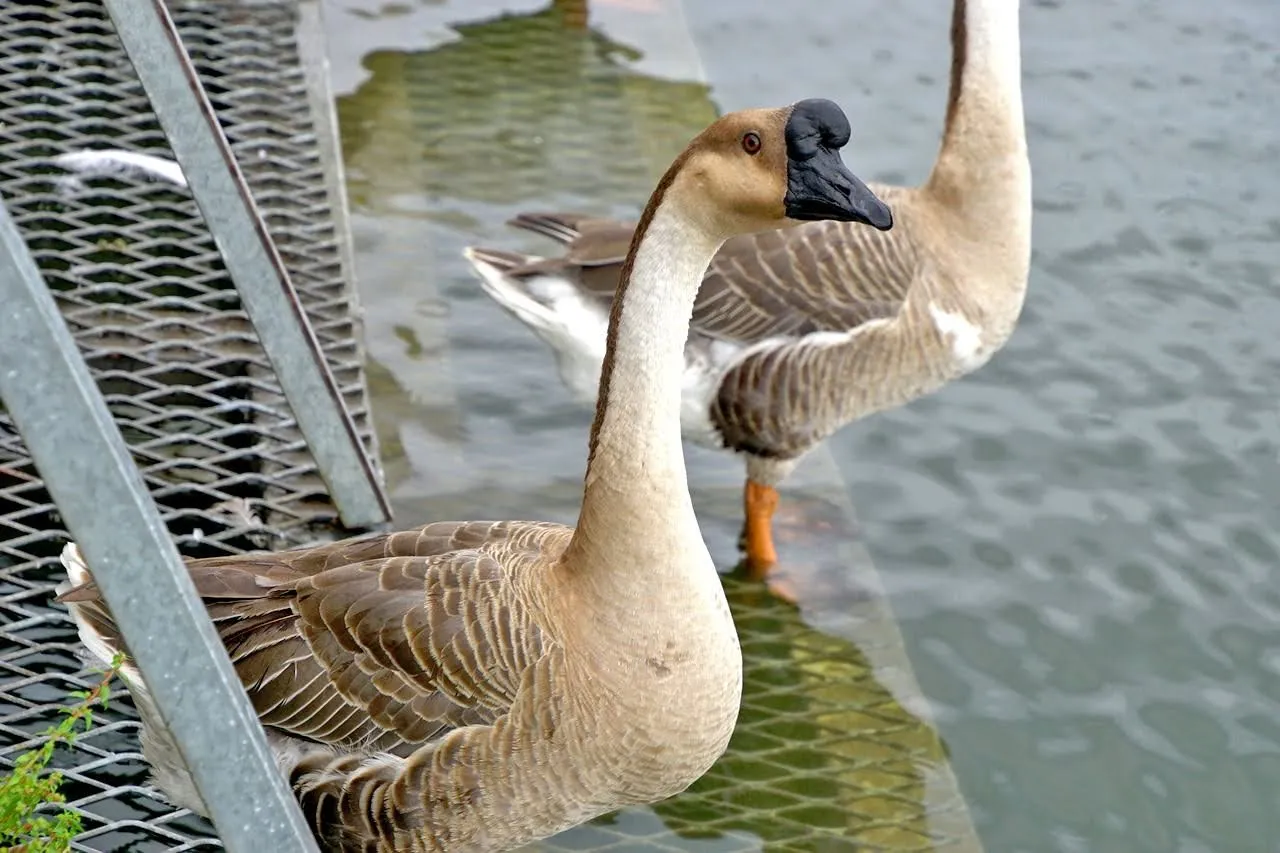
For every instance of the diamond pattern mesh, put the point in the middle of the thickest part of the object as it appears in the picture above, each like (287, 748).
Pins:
(140, 282)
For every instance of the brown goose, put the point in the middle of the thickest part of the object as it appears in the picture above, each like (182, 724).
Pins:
(472, 686)
(796, 333)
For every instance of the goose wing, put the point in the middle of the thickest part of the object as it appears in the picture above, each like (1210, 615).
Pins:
(821, 276)
(381, 642)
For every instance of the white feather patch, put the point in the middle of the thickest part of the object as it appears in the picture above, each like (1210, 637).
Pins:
(964, 338)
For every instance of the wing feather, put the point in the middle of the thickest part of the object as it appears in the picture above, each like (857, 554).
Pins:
(786, 283)
(382, 642)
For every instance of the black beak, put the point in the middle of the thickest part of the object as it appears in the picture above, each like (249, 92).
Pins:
(822, 187)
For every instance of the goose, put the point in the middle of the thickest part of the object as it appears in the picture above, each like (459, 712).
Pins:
(473, 686)
(797, 333)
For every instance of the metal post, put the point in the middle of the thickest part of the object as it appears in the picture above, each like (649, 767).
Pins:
(173, 86)
(52, 399)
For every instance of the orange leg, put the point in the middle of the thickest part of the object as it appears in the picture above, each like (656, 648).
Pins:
(760, 503)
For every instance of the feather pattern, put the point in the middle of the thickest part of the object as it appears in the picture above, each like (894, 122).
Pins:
(379, 643)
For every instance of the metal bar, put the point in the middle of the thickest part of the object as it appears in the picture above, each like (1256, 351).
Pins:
(52, 399)
(313, 55)
(214, 177)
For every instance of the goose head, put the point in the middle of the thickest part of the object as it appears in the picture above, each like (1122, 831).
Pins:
(760, 169)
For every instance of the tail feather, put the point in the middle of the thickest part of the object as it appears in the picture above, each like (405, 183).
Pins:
(98, 632)
(77, 570)
(561, 227)
(505, 262)
(553, 308)
(495, 270)
(100, 636)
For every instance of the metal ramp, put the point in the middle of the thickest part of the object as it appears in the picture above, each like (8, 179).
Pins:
(140, 282)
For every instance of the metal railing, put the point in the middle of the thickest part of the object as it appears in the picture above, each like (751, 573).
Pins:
(166, 379)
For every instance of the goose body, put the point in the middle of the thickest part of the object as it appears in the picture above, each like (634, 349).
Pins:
(796, 333)
(473, 686)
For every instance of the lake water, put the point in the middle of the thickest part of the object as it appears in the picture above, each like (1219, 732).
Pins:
(1080, 541)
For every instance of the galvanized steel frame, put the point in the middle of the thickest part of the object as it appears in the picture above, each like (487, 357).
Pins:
(81, 465)
(48, 391)
(179, 100)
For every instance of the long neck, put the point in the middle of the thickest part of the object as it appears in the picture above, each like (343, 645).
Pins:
(984, 143)
(636, 507)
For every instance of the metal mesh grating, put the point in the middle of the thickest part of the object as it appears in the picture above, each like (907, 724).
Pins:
(142, 286)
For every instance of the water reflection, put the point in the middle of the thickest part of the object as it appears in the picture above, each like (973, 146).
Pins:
(825, 757)
(520, 110)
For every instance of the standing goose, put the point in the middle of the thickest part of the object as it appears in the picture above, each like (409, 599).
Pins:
(796, 333)
(475, 686)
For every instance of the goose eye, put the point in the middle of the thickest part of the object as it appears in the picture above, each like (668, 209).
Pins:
(751, 143)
